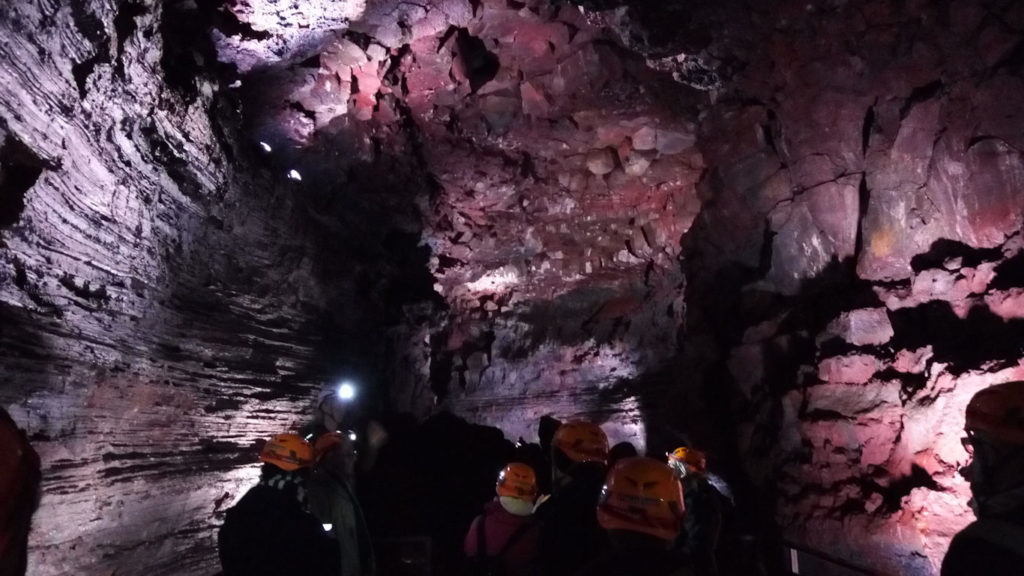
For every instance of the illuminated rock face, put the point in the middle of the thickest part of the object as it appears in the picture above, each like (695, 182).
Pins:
(790, 233)
(858, 262)
(558, 173)
(161, 306)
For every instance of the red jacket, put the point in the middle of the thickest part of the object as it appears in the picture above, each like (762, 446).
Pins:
(19, 493)
(499, 525)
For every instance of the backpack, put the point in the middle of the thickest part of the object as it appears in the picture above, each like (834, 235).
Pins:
(483, 565)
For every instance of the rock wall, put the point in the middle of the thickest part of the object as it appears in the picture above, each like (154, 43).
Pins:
(853, 277)
(558, 172)
(162, 294)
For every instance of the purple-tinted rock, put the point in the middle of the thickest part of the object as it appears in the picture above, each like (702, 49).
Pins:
(645, 138)
(600, 161)
(671, 142)
(815, 229)
(865, 327)
(535, 103)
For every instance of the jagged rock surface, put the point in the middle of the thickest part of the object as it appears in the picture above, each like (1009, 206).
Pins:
(162, 304)
(561, 171)
(855, 262)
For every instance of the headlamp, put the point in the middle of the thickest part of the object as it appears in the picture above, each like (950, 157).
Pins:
(346, 391)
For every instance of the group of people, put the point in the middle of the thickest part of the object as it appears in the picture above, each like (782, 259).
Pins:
(303, 516)
(607, 513)
(636, 515)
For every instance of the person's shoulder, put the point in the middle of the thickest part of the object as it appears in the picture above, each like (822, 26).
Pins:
(973, 547)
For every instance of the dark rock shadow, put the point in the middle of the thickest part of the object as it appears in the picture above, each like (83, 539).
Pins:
(981, 340)
(20, 167)
(26, 359)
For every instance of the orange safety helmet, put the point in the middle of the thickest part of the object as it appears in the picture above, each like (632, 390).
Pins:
(692, 457)
(998, 412)
(326, 442)
(287, 452)
(582, 442)
(642, 495)
(517, 480)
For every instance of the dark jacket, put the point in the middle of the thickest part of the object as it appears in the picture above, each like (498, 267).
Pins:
(608, 564)
(993, 545)
(498, 526)
(332, 500)
(269, 533)
(569, 533)
(702, 525)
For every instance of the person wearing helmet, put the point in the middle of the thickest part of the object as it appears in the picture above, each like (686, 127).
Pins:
(994, 543)
(332, 499)
(698, 541)
(333, 411)
(641, 508)
(19, 495)
(269, 532)
(569, 531)
(503, 540)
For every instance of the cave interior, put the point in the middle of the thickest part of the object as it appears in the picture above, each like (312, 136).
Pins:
(787, 232)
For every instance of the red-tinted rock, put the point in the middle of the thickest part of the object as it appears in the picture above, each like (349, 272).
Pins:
(853, 369)
(1008, 304)
(912, 361)
(852, 400)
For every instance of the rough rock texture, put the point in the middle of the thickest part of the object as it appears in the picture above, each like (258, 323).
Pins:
(854, 273)
(560, 170)
(162, 302)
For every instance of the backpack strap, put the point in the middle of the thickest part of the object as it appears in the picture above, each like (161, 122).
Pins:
(481, 538)
(1001, 533)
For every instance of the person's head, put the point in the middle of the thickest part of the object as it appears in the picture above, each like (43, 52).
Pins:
(336, 452)
(333, 404)
(517, 488)
(546, 431)
(641, 506)
(995, 440)
(621, 451)
(686, 462)
(576, 446)
(288, 453)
